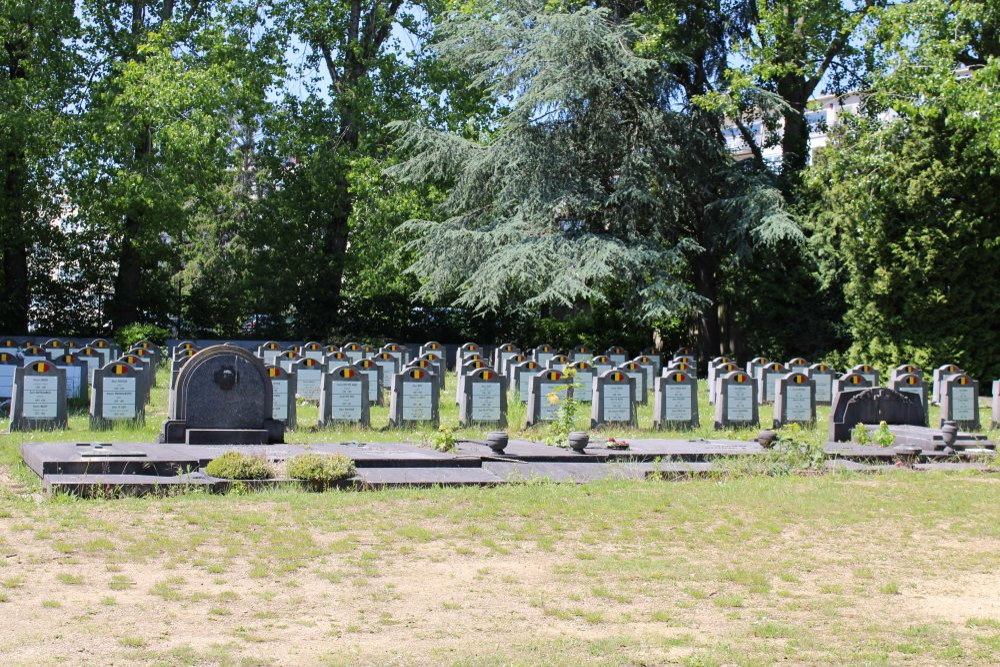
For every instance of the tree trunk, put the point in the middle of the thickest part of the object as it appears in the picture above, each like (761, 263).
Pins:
(795, 134)
(13, 221)
(705, 286)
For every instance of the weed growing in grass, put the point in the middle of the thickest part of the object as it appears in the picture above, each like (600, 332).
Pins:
(444, 440)
(321, 468)
(70, 579)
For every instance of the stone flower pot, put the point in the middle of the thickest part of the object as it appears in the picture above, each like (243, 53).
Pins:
(497, 441)
(766, 438)
(949, 433)
(578, 441)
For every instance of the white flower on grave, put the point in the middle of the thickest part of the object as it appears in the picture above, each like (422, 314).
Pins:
(553, 398)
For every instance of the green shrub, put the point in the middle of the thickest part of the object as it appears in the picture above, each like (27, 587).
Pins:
(236, 465)
(130, 334)
(320, 467)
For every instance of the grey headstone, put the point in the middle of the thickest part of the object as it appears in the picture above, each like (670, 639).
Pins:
(720, 370)
(32, 353)
(911, 383)
(713, 364)
(105, 347)
(375, 382)
(144, 367)
(995, 416)
(116, 396)
(314, 350)
(39, 397)
(675, 400)
(652, 369)
(617, 354)
(754, 366)
(398, 351)
(77, 376)
(521, 375)
(153, 349)
(542, 354)
(540, 407)
(177, 362)
(736, 401)
(93, 358)
(822, 376)
(557, 361)
(151, 361)
(286, 359)
(638, 373)
(466, 351)
(483, 400)
(414, 398)
(580, 353)
(54, 348)
(269, 351)
(439, 364)
(868, 372)
(960, 401)
(471, 364)
(614, 400)
(906, 369)
(871, 405)
(603, 363)
(657, 361)
(309, 378)
(795, 400)
(432, 346)
(344, 398)
(849, 382)
(767, 383)
(355, 351)
(283, 389)
(8, 363)
(509, 364)
(223, 395)
(389, 365)
(502, 354)
(797, 365)
(582, 376)
(939, 376)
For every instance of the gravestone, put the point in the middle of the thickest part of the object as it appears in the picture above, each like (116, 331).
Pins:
(797, 365)
(116, 397)
(509, 365)
(680, 366)
(38, 402)
(648, 365)
(54, 348)
(939, 376)
(223, 396)
(32, 353)
(582, 376)
(77, 377)
(287, 360)
(150, 359)
(547, 391)
(93, 358)
(683, 359)
(557, 361)
(868, 372)
(602, 364)
(308, 378)
(657, 362)
(906, 369)
(911, 383)
(960, 401)
(10, 346)
(8, 362)
(465, 351)
(356, 353)
(542, 354)
(484, 401)
(469, 366)
(521, 375)
(580, 353)
(860, 404)
(144, 368)
(313, 350)
(283, 389)
(617, 354)
(502, 354)
(849, 382)
(152, 349)
(414, 398)
(614, 400)
(177, 362)
(767, 384)
(736, 401)
(795, 400)
(720, 370)
(185, 345)
(396, 351)
(638, 374)
(438, 364)
(338, 358)
(297, 349)
(269, 352)
(330, 349)
(105, 347)
(432, 346)
(822, 376)
(344, 397)
(687, 352)
(675, 400)
(374, 373)
(713, 363)
(370, 350)
(389, 365)
(754, 366)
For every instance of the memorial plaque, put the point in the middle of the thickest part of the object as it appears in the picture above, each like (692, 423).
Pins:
(308, 378)
(269, 352)
(736, 402)
(374, 373)
(795, 400)
(582, 377)
(909, 383)
(614, 400)
(638, 375)
(77, 379)
(939, 376)
(547, 391)
(116, 397)
(541, 354)
(675, 403)
(960, 401)
(286, 360)
(283, 390)
(521, 375)
(617, 355)
(768, 383)
(8, 362)
(39, 397)
(822, 376)
(484, 401)
(345, 396)
(414, 398)
(868, 372)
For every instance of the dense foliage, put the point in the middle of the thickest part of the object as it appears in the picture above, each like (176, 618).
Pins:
(506, 169)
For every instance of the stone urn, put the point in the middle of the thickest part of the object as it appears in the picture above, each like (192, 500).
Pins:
(497, 441)
(767, 438)
(949, 433)
(578, 441)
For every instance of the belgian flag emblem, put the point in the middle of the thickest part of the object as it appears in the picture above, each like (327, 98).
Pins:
(367, 363)
(800, 379)
(617, 377)
(273, 372)
(964, 380)
(912, 380)
(554, 375)
(679, 377)
(101, 343)
(532, 365)
(4, 356)
(310, 362)
(42, 367)
(487, 375)
(741, 378)
(348, 373)
(417, 374)
(120, 369)
(434, 346)
(856, 379)
(778, 367)
(683, 366)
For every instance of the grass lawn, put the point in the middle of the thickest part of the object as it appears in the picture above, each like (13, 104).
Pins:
(901, 567)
